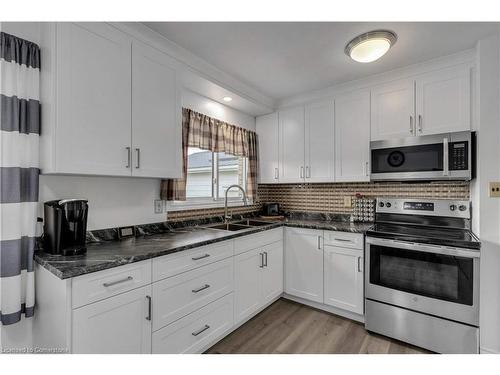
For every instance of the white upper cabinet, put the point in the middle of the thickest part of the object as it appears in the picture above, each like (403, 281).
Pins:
(392, 110)
(91, 127)
(156, 114)
(267, 129)
(443, 101)
(352, 137)
(319, 142)
(291, 133)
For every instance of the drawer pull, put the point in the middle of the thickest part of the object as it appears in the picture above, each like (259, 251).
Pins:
(117, 281)
(201, 257)
(341, 240)
(201, 330)
(206, 286)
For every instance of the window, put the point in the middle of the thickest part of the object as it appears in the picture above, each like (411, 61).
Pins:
(210, 173)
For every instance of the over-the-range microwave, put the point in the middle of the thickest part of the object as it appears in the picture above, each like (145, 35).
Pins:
(447, 156)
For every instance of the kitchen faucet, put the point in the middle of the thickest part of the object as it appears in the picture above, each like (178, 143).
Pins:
(226, 214)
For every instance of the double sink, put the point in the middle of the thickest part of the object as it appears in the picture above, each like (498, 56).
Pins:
(240, 225)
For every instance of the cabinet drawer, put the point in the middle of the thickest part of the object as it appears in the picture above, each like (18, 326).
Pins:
(344, 239)
(197, 331)
(174, 264)
(104, 284)
(180, 295)
(254, 241)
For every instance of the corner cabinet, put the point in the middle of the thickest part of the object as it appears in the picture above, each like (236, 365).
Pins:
(267, 128)
(101, 94)
(291, 145)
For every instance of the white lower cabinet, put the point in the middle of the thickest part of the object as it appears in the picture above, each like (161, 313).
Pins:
(304, 263)
(258, 278)
(119, 324)
(344, 278)
(197, 331)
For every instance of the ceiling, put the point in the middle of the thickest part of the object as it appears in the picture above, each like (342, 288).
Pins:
(285, 59)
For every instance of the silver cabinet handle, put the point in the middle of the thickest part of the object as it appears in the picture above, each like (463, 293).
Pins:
(308, 172)
(261, 265)
(201, 257)
(367, 169)
(342, 240)
(138, 161)
(206, 286)
(201, 330)
(359, 264)
(420, 123)
(276, 173)
(129, 156)
(117, 282)
(301, 172)
(411, 124)
(149, 308)
(265, 258)
(446, 171)
(319, 242)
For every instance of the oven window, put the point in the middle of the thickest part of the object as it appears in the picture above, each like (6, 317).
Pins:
(444, 277)
(422, 158)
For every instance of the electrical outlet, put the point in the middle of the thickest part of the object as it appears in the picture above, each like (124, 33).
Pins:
(495, 189)
(347, 201)
(158, 204)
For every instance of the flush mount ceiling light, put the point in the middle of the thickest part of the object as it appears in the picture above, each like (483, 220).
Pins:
(370, 46)
(227, 98)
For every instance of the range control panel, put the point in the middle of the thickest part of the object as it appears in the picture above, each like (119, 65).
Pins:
(435, 207)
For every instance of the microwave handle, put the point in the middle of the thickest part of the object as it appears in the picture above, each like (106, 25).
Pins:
(446, 164)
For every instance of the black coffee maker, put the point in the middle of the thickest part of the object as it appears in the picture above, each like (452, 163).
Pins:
(65, 226)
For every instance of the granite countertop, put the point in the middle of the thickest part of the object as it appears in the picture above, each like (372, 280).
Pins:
(113, 253)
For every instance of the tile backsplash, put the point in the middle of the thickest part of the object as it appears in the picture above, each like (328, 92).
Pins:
(329, 197)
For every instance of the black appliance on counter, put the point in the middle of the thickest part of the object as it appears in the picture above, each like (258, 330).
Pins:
(271, 209)
(65, 226)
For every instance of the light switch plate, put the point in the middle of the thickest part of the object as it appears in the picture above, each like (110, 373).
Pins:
(158, 203)
(347, 201)
(495, 189)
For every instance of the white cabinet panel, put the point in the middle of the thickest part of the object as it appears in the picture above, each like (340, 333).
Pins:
(304, 263)
(344, 278)
(116, 325)
(352, 137)
(272, 275)
(247, 284)
(93, 100)
(156, 114)
(392, 110)
(319, 142)
(291, 134)
(267, 129)
(443, 101)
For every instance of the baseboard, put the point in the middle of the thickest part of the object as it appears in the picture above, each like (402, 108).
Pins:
(483, 350)
(327, 308)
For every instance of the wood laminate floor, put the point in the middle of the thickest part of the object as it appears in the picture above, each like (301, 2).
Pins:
(287, 327)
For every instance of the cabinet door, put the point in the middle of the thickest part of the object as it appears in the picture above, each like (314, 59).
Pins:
(352, 137)
(272, 274)
(304, 263)
(247, 284)
(392, 110)
(93, 99)
(319, 142)
(156, 114)
(268, 129)
(291, 133)
(443, 101)
(344, 278)
(115, 325)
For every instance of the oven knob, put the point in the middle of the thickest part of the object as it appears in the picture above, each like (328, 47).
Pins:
(388, 205)
(453, 207)
(381, 204)
(462, 207)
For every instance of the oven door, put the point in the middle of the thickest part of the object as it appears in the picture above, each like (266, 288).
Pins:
(435, 280)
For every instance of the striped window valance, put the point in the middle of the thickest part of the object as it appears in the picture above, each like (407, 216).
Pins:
(208, 133)
(19, 170)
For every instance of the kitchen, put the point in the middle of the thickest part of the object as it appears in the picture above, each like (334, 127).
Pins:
(193, 200)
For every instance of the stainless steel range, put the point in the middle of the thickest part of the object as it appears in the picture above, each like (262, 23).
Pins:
(422, 274)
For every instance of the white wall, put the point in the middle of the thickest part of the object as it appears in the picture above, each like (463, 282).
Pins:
(489, 208)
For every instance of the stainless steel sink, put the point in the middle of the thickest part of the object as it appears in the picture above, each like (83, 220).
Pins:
(252, 223)
(230, 227)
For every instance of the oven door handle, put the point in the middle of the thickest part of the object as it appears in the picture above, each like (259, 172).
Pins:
(446, 163)
(412, 246)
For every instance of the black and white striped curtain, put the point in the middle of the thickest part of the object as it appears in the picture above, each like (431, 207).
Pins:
(19, 169)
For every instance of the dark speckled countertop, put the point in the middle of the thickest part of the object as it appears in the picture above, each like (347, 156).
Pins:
(108, 254)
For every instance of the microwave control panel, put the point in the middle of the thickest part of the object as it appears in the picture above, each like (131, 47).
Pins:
(459, 156)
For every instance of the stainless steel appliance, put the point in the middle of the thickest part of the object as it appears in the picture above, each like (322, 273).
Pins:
(448, 156)
(65, 226)
(422, 274)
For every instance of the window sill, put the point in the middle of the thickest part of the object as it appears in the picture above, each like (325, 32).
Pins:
(199, 205)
